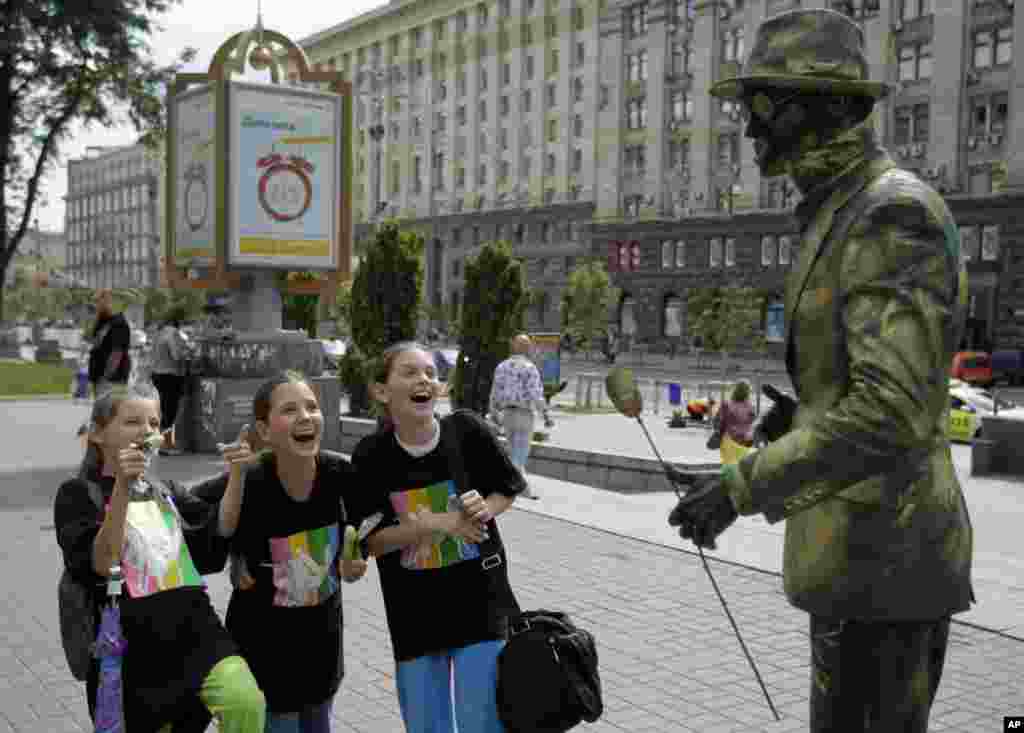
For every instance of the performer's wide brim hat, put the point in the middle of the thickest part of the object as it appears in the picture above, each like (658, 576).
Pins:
(806, 50)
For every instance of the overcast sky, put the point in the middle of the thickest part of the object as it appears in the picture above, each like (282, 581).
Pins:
(204, 25)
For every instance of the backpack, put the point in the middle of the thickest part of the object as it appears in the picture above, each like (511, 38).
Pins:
(76, 605)
(547, 675)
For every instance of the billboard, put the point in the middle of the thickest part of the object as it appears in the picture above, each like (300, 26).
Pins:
(284, 177)
(194, 117)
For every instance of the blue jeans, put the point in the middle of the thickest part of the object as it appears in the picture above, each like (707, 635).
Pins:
(519, 430)
(312, 719)
(428, 701)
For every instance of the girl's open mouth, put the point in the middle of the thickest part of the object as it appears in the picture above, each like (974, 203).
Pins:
(304, 437)
(421, 399)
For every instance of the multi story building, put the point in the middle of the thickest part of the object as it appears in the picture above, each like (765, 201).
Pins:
(578, 128)
(113, 217)
(41, 253)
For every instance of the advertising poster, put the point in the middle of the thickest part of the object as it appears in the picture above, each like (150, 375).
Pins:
(284, 181)
(194, 180)
(547, 357)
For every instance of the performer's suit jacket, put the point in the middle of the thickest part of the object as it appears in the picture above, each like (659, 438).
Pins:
(876, 523)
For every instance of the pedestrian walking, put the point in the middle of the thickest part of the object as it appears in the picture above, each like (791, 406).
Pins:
(110, 356)
(736, 424)
(285, 511)
(180, 665)
(516, 393)
(878, 539)
(168, 374)
(446, 596)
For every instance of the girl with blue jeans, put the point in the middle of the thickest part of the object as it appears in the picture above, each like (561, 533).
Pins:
(447, 597)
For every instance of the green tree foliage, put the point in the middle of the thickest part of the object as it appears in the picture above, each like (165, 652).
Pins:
(385, 305)
(587, 300)
(493, 307)
(160, 301)
(65, 64)
(726, 318)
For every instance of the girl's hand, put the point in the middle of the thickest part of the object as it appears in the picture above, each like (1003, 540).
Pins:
(352, 570)
(237, 454)
(468, 529)
(131, 463)
(475, 507)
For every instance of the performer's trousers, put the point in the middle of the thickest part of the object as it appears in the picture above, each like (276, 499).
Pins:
(875, 677)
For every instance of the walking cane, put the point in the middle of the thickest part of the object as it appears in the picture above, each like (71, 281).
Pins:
(625, 395)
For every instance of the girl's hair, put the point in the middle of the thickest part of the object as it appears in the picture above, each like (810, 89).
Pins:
(262, 399)
(104, 410)
(382, 371)
(741, 392)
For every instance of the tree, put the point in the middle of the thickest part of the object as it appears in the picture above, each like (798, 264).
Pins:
(587, 300)
(493, 307)
(159, 302)
(384, 308)
(726, 317)
(64, 63)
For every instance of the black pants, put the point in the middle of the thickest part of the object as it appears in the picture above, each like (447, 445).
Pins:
(170, 387)
(875, 677)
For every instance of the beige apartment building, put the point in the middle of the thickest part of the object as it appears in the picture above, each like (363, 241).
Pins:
(112, 217)
(575, 128)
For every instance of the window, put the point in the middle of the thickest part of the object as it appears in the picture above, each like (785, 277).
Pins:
(680, 253)
(417, 37)
(993, 47)
(915, 9)
(554, 62)
(636, 19)
(527, 100)
(529, 5)
(529, 67)
(461, 21)
(503, 170)
(552, 131)
(784, 249)
(504, 8)
(632, 205)
(636, 66)
(506, 74)
(922, 116)
(441, 122)
(552, 27)
(728, 149)
(577, 125)
(439, 30)
(715, 252)
(503, 138)
(417, 69)
(682, 58)
(545, 232)
(483, 141)
(442, 90)
(999, 107)
(481, 176)
(439, 171)
(417, 126)
(635, 157)
(902, 125)
(460, 177)
(483, 80)
(732, 45)
(455, 267)
(682, 107)
(552, 95)
(672, 317)
(526, 166)
(668, 254)
(460, 114)
(549, 164)
(460, 85)
(990, 243)
(683, 10)
(577, 89)
(678, 154)
(577, 18)
(482, 16)
(483, 110)
(417, 173)
(527, 135)
(915, 62)
(636, 113)
(577, 160)
(730, 251)
(581, 54)
(527, 34)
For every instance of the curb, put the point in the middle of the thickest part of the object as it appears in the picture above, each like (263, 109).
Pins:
(34, 397)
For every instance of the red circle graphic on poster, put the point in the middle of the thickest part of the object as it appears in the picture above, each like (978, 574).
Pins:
(285, 189)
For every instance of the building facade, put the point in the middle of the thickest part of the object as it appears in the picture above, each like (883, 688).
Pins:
(581, 128)
(112, 218)
(40, 254)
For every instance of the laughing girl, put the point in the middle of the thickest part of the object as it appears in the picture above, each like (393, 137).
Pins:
(285, 515)
(446, 608)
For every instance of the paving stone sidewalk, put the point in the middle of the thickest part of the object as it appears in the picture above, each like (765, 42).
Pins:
(668, 657)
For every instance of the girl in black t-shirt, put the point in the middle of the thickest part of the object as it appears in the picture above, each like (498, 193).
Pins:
(446, 601)
(284, 512)
(180, 664)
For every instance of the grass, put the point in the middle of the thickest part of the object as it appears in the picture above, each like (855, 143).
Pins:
(25, 379)
(593, 410)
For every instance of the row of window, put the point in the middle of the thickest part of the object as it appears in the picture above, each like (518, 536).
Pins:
(85, 175)
(517, 233)
(775, 250)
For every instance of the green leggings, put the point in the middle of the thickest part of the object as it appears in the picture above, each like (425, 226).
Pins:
(233, 698)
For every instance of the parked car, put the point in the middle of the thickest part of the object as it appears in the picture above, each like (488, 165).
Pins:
(968, 404)
(1008, 366)
(974, 367)
(444, 362)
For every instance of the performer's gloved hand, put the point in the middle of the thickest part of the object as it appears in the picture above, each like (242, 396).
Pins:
(705, 511)
(778, 420)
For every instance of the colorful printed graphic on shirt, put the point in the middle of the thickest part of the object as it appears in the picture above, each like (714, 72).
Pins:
(304, 566)
(440, 550)
(155, 557)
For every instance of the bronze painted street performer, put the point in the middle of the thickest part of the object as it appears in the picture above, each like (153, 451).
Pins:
(878, 539)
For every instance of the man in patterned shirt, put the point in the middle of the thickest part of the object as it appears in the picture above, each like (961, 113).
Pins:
(516, 391)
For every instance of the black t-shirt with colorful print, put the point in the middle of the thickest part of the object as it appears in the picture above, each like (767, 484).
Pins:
(437, 594)
(289, 625)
